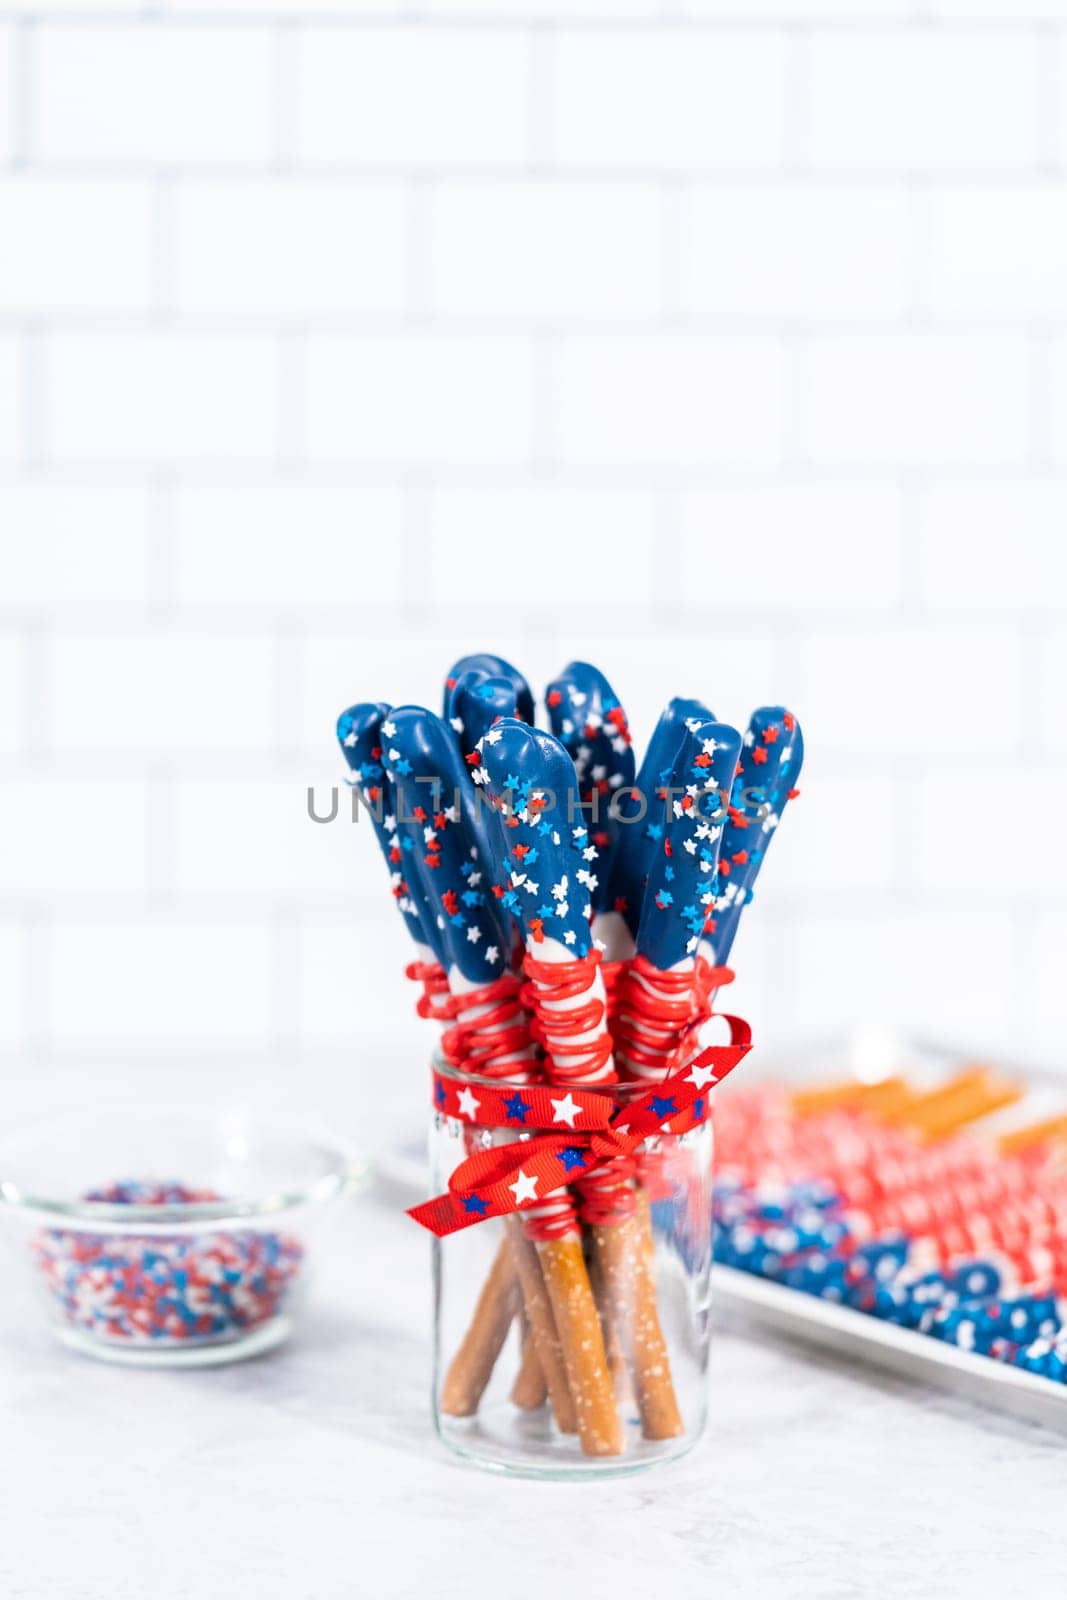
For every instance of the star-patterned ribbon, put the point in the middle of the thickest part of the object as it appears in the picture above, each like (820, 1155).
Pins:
(595, 1129)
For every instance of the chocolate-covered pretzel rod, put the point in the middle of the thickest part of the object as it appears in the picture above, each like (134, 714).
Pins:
(659, 1003)
(640, 813)
(548, 882)
(588, 720)
(772, 754)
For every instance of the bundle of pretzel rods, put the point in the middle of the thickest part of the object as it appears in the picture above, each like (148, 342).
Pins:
(571, 917)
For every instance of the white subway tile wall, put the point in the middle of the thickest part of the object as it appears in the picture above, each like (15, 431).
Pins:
(723, 342)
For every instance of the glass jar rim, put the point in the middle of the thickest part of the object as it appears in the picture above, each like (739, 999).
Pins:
(340, 1171)
(623, 1092)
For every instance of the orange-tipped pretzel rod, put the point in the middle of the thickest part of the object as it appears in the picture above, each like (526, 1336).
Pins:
(932, 1102)
(850, 1096)
(947, 1119)
(1050, 1131)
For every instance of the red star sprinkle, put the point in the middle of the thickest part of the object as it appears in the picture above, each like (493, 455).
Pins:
(617, 718)
(474, 759)
(521, 850)
(419, 814)
(770, 735)
(793, 794)
(759, 756)
(789, 720)
(450, 902)
(554, 697)
(440, 820)
(741, 857)
(537, 928)
(702, 761)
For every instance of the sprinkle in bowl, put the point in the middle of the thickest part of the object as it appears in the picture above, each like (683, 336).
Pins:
(159, 1236)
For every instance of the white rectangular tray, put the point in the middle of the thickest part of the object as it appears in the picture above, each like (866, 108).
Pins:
(820, 1323)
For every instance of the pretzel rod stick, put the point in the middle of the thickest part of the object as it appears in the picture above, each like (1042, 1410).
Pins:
(480, 691)
(533, 775)
(447, 837)
(658, 1003)
(588, 719)
(544, 1334)
(477, 1354)
(639, 825)
(530, 1391)
(772, 754)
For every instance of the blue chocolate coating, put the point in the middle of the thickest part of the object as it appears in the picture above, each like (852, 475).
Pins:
(771, 757)
(492, 667)
(588, 720)
(445, 847)
(549, 872)
(680, 893)
(477, 701)
(359, 733)
(635, 839)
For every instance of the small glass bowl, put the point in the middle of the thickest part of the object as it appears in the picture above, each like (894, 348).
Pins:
(168, 1237)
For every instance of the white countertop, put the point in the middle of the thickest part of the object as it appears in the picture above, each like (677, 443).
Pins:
(312, 1474)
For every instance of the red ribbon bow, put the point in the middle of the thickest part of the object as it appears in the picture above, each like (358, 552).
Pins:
(517, 1176)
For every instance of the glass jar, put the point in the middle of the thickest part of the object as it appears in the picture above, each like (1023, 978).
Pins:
(629, 1282)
